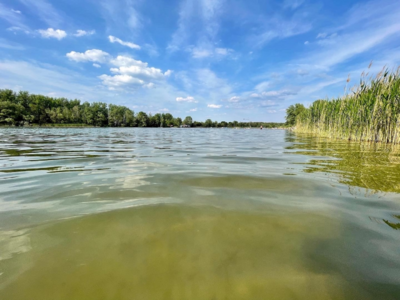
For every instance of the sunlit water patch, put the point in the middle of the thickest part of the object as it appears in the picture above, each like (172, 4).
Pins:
(196, 214)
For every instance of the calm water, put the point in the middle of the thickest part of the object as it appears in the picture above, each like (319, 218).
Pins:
(196, 214)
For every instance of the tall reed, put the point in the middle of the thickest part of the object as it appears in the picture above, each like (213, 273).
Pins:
(371, 112)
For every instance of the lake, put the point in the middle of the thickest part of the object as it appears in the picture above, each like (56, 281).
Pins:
(132, 213)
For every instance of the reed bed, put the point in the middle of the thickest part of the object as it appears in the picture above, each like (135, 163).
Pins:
(369, 112)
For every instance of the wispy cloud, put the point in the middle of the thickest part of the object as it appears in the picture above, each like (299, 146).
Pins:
(198, 27)
(45, 11)
(210, 51)
(122, 14)
(114, 39)
(279, 27)
(80, 33)
(357, 38)
(214, 106)
(43, 78)
(16, 29)
(13, 18)
(10, 45)
(186, 99)
(292, 4)
(234, 99)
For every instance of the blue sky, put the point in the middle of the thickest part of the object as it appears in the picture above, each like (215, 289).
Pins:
(219, 59)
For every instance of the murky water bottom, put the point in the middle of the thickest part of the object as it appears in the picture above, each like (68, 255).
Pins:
(195, 214)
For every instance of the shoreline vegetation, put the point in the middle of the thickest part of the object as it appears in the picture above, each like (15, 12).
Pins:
(28, 110)
(370, 112)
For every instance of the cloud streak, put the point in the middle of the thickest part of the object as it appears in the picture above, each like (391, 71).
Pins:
(80, 33)
(45, 11)
(186, 99)
(214, 106)
(114, 39)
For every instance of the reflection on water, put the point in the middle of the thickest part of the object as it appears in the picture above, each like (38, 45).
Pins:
(373, 166)
(196, 214)
(393, 225)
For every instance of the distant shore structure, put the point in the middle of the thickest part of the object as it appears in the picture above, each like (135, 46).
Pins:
(185, 126)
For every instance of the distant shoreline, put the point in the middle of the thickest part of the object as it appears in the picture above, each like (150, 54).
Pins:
(86, 126)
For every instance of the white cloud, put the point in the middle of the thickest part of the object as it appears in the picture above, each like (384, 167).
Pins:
(16, 11)
(262, 86)
(129, 66)
(15, 29)
(187, 99)
(114, 39)
(51, 33)
(44, 78)
(277, 95)
(168, 73)
(120, 80)
(93, 55)
(222, 51)
(129, 72)
(322, 35)
(271, 111)
(193, 110)
(81, 32)
(234, 99)
(214, 106)
(306, 42)
(96, 66)
(201, 53)
(301, 72)
(209, 51)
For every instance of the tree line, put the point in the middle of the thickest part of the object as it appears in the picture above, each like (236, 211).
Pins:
(24, 109)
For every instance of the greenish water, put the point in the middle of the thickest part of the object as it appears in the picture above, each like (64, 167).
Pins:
(196, 214)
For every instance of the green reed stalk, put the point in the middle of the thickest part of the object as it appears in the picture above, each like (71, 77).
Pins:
(370, 112)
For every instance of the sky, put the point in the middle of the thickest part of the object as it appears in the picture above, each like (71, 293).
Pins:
(220, 59)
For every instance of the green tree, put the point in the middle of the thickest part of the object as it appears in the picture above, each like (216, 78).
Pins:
(168, 119)
(155, 121)
(223, 124)
(208, 123)
(177, 122)
(142, 119)
(292, 112)
(188, 121)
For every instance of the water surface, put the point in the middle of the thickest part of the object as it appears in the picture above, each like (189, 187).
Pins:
(196, 214)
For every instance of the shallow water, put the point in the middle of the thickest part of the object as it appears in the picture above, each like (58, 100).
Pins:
(196, 214)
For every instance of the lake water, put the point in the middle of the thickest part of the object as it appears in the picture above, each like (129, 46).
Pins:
(196, 214)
